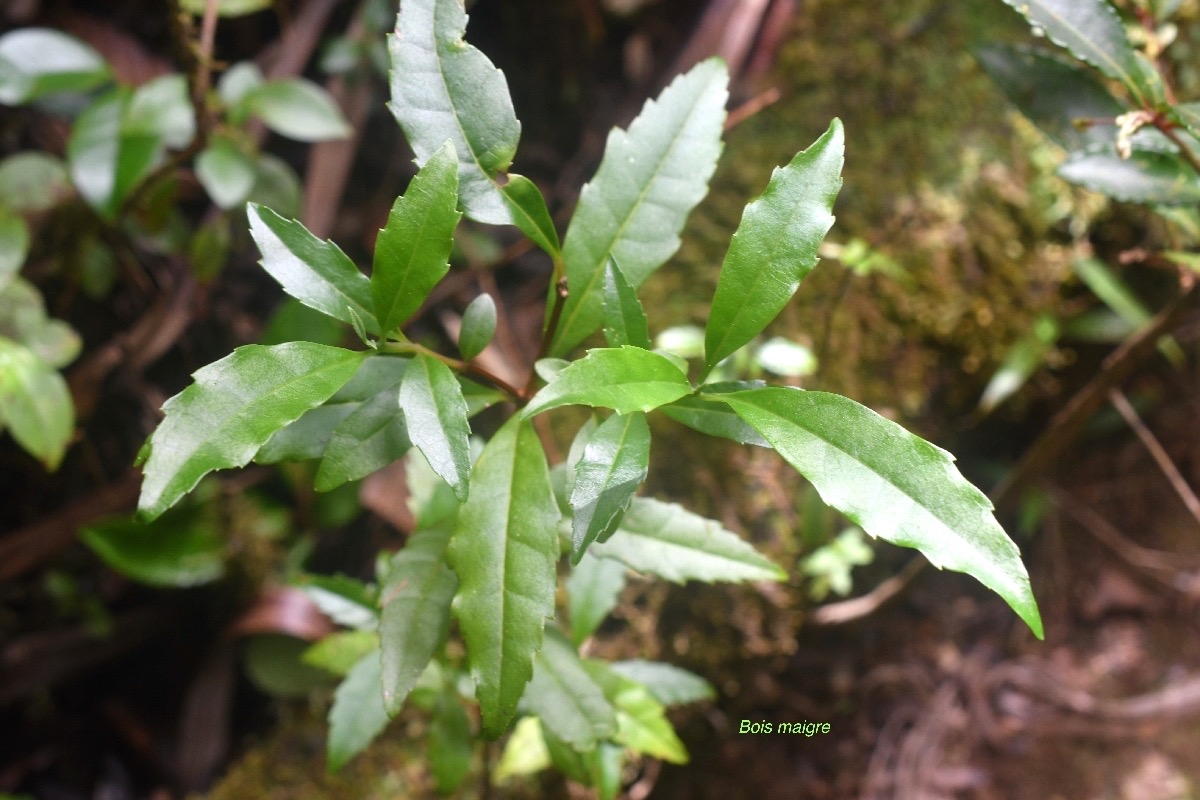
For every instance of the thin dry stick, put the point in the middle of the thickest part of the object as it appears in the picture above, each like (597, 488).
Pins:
(1121, 403)
(849, 610)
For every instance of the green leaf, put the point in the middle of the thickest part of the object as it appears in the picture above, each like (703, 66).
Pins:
(184, 547)
(1054, 94)
(226, 8)
(614, 464)
(277, 186)
(1024, 358)
(667, 540)
(1189, 115)
(450, 743)
(35, 62)
(416, 612)
(642, 722)
(225, 172)
(235, 84)
(162, 109)
(443, 88)
(650, 179)
(895, 485)
(569, 703)
(298, 109)
(592, 592)
(315, 272)
(106, 162)
(670, 685)
(345, 600)
(232, 409)
(478, 326)
(368, 439)
(357, 715)
(525, 751)
(35, 404)
(1144, 177)
(1115, 294)
(1090, 29)
(625, 379)
(412, 252)
(14, 245)
(775, 246)
(712, 418)
(529, 213)
(624, 319)
(295, 322)
(436, 416)
(339, 652)
(33, 181)
(504, 551)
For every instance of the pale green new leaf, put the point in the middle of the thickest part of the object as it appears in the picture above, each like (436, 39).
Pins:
(416, 612)
(642, 723)
(368, 439)
(1090, 29)
(525, 751)
(530, 214)
(35, 62)
(1145, 177)
(14, 245)
(624, 318)
(614, 464)
(504, 551)
(412, 252)
(33, 181)
(670, 685)
(592, 592)
(625, 379)
(667, 540)
(35, 404)
(232, 409)
(162, 108)
(775, 245)
(298, 109)
(478, 326)
(895, 485)
(338, 652)
(225, 172)
(650, 179)
(436, 416)
(315, 272)
(444, 88)
(566, 699)
(357, 715)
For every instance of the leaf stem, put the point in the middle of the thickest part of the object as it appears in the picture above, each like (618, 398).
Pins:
(458, 365)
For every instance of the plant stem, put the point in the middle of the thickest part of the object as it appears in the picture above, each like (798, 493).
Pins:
(1168, 131)
(458, 365)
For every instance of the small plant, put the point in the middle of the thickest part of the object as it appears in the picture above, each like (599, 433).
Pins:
(492, 526)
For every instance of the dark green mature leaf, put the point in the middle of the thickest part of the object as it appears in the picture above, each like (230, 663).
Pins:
(1189, 115)
(298, 109)
(35, 62)
(225, 172)
(624, 318)
(368, 439)
(895, 485)
(529, 213)
(451, 745)
(357, 715)
(1144, 177)
(443, 88)
(642, 723)
(232, 409)
(625, 379)
(775, 245)
(35, 404)
(1054, 94)
(569, 703)
(1090, 29)
(614, 464)
(669, 541)
(670, 685)
(715, 419)
(436, 416)
(504, 551)
(412, 253)
(416, 612)
(592, 592)
(648, 182)
(315, 272)
(478, 326)
(184, 547)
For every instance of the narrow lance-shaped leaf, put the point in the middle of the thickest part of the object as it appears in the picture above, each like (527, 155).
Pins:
(650, 179)
(614, 464)
(436, 416)
(444, 88)
(368, 439)
(1144, 177)
(530, 214)
(1091, 30)
(232, 408)
(775, 246)
(642, 723)
(895, 485)
(451, 744)
(412, 253)
(315, 272)
(416, 612)
(670, 685)
(185, 547)
(592, 592)
(624, 318)
(667, 540)
(625, 379)
(357, 715)
(504, 551)
(564, 696)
